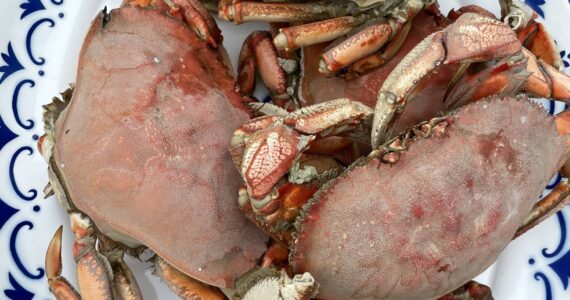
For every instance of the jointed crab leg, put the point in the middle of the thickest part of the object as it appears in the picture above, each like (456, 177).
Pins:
(93, 274)
(124, 281)
(59, 286)
(283, 163)
(184, 286)
(559, 197)
(245, 11)
(371, 38)
(258, 51)
(291, 38)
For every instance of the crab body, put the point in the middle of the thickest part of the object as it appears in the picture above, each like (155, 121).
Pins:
(437, 217)
(142, 147)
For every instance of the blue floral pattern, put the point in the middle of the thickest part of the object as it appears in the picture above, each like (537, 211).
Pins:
(20, 70)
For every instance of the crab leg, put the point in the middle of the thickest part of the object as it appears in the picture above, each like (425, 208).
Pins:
(546, 207)
(124, 282)
(291, 38)
(93, 274)
(258, 50)
(59, 286)
(245, 11)
(184, 286)
(545, 80)
(379, 58)
(559, 197)
(371, 38)
(367, 40)
(535, 38)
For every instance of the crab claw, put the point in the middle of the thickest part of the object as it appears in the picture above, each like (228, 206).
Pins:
(472, 38)
(59, 286)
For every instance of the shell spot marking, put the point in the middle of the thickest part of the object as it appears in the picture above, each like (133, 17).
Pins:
(268, 158)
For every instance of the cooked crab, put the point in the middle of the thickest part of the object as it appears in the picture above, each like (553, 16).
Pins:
(429, 208)
(295, 83)
(138, 155)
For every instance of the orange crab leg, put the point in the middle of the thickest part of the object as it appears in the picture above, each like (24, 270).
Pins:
(59, 286)
(292, 38)
(546, 81)
(559, 197)
(124, 281)
(258, 51)
(245, 11)
(93, 275)
(362, 43)
(379, 58)
(184, 286)
(535, 38)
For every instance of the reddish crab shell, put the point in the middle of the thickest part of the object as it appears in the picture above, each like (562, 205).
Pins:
(439, 216)
(142, 148)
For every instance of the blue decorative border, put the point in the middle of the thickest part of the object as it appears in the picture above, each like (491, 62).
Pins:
(13, 72)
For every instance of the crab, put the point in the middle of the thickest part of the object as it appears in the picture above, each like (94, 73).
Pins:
(428, 208)
(137, 153)
(294, 79)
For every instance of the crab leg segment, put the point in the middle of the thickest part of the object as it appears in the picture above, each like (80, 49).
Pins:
(245, 11)
(546, 207)
(559, 197)
(59, 286)
(267, 158)
(184, 286)
(358, 45)
(371, 38)
(546, 81)
(258, 50)
(535, 38)
(124, 282)
(291, 38)
(472, 38)
(93, 273)
(379, 58)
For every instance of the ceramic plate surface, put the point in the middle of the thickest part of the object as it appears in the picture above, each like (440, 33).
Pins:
(39, 47)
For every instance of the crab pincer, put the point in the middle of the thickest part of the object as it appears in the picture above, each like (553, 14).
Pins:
(478, 42)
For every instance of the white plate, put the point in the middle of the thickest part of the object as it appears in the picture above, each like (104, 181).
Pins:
(39, 46)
